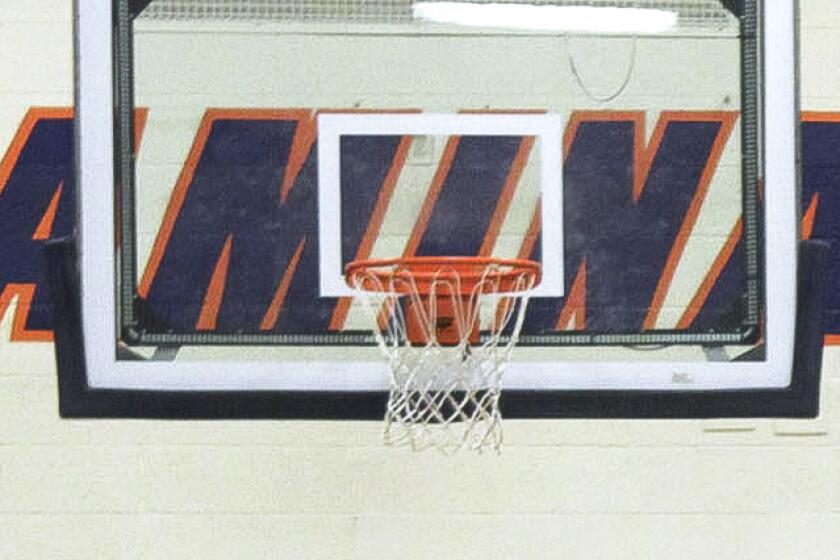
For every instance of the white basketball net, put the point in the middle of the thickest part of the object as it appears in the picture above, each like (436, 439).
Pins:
(445, 395)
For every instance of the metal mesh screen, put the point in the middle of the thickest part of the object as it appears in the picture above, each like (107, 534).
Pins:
(361, 11)
(692, 13)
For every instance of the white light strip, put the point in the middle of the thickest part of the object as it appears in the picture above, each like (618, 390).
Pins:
(547, 18)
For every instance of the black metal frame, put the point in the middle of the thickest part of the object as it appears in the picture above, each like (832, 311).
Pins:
(133, 333)
(77, 399)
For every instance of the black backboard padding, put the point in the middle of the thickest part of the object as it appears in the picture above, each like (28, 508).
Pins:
(78, 400)
(799, 400)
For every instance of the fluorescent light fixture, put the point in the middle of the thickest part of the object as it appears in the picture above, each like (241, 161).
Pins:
(547, 18)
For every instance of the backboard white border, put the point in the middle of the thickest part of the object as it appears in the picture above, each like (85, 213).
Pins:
(547, 128)
(95, 120)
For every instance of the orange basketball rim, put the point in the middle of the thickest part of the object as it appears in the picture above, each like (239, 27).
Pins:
(447, 280)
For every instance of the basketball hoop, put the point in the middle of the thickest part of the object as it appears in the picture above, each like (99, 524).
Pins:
(447, 326)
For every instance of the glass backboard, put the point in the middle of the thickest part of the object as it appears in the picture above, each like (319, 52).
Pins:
(642, 151)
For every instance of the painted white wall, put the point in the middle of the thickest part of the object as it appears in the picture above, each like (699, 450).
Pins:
(309, 490)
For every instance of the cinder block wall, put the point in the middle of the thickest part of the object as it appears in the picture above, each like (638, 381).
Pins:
(268, 490)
